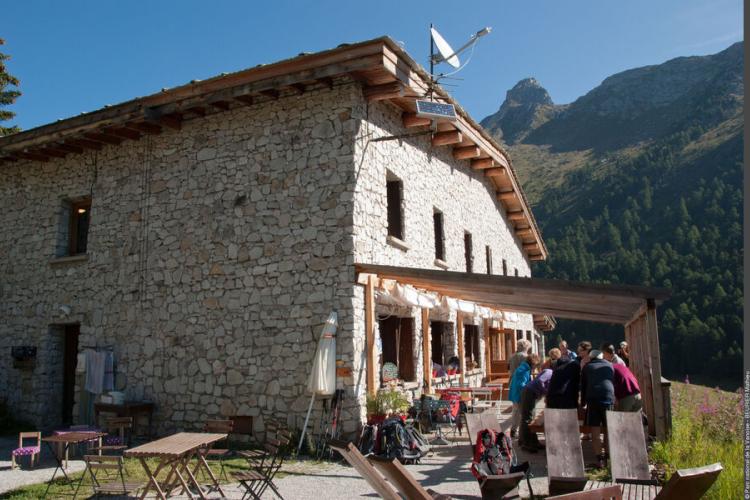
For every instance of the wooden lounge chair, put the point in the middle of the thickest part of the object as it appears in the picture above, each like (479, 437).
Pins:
(564, 453)
(403, 480)
(352, 455)
(627, 448)
(613, 492)
(489, 421)
(690, 484)
(473, 425)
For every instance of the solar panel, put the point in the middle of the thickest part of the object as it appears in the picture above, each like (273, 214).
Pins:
(432, 109)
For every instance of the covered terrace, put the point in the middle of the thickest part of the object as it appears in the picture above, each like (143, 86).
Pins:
(634, 307)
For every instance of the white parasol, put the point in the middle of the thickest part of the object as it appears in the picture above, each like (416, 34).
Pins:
(322, 380)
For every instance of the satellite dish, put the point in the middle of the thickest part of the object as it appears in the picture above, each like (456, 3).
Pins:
(446, 52)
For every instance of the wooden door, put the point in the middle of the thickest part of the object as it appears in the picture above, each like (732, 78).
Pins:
(70, 359)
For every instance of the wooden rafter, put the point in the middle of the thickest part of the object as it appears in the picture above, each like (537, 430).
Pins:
(412, 120)
(222, 105)
(482, 163)
(123, 132)
(446, 138)
(197, 110)
(495, 172)
(272, 93)
(385, 91)
(465, 153)
(105, 138)
(30, 155)
(299, 87)
(53, 152)
(326, 81)
(84, 143)
(246, 99)
(516, 215)
(506, 195)
(149, 128)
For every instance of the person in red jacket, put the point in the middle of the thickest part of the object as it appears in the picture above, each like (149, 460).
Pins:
(627, 391)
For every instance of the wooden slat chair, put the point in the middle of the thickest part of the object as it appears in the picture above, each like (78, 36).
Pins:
(368, 472)
(258, 452)
(32, 451)
(690, 484)
(564, 453)
(218, 454)
(627, 448)
(613, 492)
(117, 440)
(404, 482)
(262, 470)
(108, 464)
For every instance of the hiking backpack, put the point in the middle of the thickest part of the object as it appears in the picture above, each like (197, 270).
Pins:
(397, 443)
(418, 440)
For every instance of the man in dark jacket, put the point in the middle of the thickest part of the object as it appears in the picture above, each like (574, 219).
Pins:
(598, 396)
(563, 386)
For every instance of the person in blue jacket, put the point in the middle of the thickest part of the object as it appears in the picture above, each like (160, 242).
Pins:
(518, 381)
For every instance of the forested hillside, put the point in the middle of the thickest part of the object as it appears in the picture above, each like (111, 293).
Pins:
(649, 192)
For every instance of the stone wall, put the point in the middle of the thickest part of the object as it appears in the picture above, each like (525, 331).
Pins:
(215, 255)
(432, 179)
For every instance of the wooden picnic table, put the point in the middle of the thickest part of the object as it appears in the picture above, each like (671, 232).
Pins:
(63, 441)
(175, 452)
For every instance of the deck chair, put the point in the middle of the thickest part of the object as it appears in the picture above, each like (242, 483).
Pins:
(627, 448)
(489, 421)
(218, 454)
(108, 464)
(505, 487)
(613, 492)
(262, 470)
(365, 469)
(404, 482)
(564, 453)
(690, 484)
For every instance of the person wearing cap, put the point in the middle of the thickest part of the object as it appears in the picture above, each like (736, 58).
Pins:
(597, 396)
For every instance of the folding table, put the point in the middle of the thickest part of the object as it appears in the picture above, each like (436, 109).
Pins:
(175, 452)
(65, 440)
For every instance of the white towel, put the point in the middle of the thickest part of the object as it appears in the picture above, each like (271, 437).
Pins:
(95, 362)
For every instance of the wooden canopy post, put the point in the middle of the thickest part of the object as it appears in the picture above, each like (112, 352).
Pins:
(370, 334)
(461, 355)
(487, 349)
(652, 335)
(426, 350)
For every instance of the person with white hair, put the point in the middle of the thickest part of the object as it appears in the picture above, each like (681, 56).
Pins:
(522, 352)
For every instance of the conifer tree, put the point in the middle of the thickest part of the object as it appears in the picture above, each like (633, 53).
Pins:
(7, 95)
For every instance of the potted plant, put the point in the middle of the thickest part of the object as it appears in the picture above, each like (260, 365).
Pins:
(385, 403)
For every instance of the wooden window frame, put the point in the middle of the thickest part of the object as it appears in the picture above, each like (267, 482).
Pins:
(438, 220)
(394, 206)
(74, 218)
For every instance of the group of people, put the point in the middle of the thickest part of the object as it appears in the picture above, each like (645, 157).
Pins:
(592, 380)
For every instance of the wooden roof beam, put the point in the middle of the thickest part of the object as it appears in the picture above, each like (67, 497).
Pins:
(272, 93)
(466, 153)
(8, 158)
(148, 127)
(506, 195)
(524, 231)
(516, 215)
(412, 120)
(326, 81)
(29, 155)
(495, 172)
(383, 92)
(53, 152)
(446, 138)
(84, 143)
(299, 87)
(105, 138)
(171, 120)
(530, 246)
(123, 132)
(198, 110)
(222, 105)
(246, 99)
(482, 163)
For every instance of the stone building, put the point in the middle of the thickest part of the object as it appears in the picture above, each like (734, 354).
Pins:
(203, 234)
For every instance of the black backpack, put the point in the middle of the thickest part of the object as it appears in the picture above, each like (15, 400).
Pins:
(418, 440)
(397, 443)
(368, 440)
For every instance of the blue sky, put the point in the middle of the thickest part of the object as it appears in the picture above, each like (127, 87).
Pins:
(77, 56)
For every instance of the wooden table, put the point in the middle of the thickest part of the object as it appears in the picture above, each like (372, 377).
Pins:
(65, 440)
(175, 452)
(132, 409)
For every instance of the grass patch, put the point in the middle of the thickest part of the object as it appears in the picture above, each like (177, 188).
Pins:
(706, 428)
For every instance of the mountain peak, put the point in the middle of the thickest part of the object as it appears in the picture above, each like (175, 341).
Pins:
(527, 92)
(526, 106)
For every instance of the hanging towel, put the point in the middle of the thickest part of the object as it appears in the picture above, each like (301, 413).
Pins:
(94, 372)
(109, 371)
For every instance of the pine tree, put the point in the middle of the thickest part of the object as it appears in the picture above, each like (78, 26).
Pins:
(7, 96)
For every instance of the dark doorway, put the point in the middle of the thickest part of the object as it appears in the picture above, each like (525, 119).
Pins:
(397, 337)
(70, 359)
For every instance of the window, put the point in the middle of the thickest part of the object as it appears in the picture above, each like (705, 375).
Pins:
(515, 271)
(396, 336)
(468, 252)
(488, 257)
(74, 227)
(437, 218)
(440, 331)
(395, 188)
(471, 347)
(505, 267)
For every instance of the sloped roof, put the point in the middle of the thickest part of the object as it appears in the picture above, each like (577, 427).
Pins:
(385, 70)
